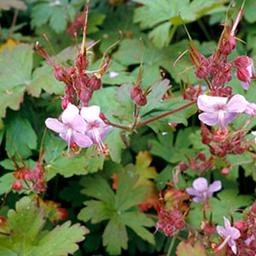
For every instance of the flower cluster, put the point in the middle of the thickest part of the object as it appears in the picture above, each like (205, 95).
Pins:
(170, 222)
(80, 128)
(217, 69)
(31, 180)
(79, 86)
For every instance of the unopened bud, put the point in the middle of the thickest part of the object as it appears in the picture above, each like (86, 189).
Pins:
(225, 171)
(228, 45)
(64, 102)
(17, 186)
(183, 166)
(62, 213)
(138, 96)
(94, 83)
(85, 96)
(59, 73)
(201, 156)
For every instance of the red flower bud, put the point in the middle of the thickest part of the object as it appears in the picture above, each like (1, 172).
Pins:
(85, 96)
(225, 171)
(62, 213)
(243, 74)
(64, 102)
(138, 96)
(59, 73)
(183, 166)
(94, 83)
(17, 186)
(228, 46)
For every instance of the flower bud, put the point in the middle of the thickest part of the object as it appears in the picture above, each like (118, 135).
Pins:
(94, 83)
(85, 96)
(183, 166)
(228, 45)
(17, 186)
(59, 73)
(225, 171)
(64, 102)
(138, 96)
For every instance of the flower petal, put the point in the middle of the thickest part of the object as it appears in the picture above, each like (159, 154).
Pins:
(208, 103)
(215, 186)
(245, 85)
(198, 199)
(232, 245)
(209, 118)
(69, 113)
(78, 124)
(54, 124)
(235, 233)
(227, 223)
(237, 104)
(200, 184)
(192, 192)
(221, 231)
(82, 140)
(228, 118)
(91, 113)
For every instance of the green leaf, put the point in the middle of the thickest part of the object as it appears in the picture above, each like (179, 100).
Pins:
(75, 165)
(115, 236)
(96, 211)
(137, 221)
(115, 144)
(21, 138)
(13, 84)
(26, 221)
(95, 19)
(6, 182)
(98, 188)
(43, 79)
(160, 35)
(124, 198)
(28, 238)
(61, 240)
(57, 14)
(58, 21)
(117, 208)
(171, 12)
(172, 152)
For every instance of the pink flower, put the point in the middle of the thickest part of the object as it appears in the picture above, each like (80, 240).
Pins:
(244, 70)
(219, 110)
(96, 129)
(201, 192)
(230, 234)
(71, 127)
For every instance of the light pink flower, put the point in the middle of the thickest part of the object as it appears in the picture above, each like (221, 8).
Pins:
(201, 192)
(96, 129)
(229, 234)
(71, 127)
(219, 110)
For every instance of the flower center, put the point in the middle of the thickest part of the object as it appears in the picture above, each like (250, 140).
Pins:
(101, 147)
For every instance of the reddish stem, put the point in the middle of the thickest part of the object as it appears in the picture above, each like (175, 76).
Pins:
(165, 114)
